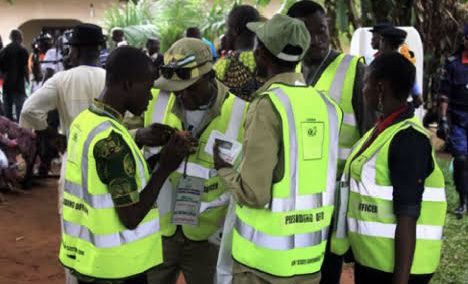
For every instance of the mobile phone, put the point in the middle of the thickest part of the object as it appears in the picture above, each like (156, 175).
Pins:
(223, 145)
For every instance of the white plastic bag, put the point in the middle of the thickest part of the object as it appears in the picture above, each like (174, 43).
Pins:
(3, 160)
(225, 262)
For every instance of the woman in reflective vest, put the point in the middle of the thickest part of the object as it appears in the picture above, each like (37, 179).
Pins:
(392, 197)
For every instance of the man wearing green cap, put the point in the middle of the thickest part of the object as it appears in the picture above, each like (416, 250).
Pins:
(285, 185)
(193, 204)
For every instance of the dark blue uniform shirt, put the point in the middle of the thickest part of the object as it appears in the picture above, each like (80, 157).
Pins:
(454, 83)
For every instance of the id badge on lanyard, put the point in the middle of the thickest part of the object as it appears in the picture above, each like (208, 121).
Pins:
(186, 207)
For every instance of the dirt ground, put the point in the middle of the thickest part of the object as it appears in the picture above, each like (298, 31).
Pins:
(29, 238)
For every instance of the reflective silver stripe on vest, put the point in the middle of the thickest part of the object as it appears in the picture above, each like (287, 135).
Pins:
(111, 240)
(376, 229)
(95, 201)
(165, 197)
(100, 201)
(84, 160)
(157, 116)
(333, 147)
(303, 202)
(368, 186)
(349, 119)
(343, 153)
(195, 170)
(222, 200)
(235, 122)
(160, 106)
(336, 88)
(280, 242)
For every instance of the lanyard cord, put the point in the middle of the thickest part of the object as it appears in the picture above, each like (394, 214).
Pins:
(190, 128)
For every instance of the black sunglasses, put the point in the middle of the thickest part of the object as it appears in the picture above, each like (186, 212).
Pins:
(184, 73)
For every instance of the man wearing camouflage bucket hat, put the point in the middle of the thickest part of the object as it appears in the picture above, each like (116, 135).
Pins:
(285, 185)
(189, 99)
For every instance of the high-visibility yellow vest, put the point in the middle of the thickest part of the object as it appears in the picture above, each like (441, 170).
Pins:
(95, 243)
(337, 81)
(215, 198)
(366, 221)
(289, 236)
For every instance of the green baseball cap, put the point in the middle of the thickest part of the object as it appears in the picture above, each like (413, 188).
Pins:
(280, 31)
(186, 61)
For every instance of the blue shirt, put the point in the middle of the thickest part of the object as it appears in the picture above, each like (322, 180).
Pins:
(454, 83)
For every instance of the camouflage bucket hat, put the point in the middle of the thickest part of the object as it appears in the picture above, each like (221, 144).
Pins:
(185, 63)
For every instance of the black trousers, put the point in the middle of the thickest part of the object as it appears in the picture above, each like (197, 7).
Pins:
(331, 266)
(366, 275)
(140, 279)
(10, 99)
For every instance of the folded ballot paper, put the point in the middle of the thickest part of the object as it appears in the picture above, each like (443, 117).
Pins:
(229, 149)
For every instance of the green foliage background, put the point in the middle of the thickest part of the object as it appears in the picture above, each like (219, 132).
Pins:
(454, 263)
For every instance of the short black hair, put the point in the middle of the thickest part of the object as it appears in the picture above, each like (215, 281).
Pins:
(395, 69)
(152, 39)
(89, 52)
(241, 15)
(127, 63)
(304, 8)
(288, 49)
(193, 32)
(394, 43)
(16, 35)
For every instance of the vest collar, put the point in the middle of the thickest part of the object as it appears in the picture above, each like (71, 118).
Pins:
(310, 69)
(212, 112)
(289, 78)
(398, 115)
(102, 108)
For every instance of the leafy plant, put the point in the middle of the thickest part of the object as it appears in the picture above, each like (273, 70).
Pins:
(173, 17)
(129, 14)
(454, 255)
(135, 19)
(214, 24)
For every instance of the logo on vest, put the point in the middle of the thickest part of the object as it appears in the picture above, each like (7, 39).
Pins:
(370, 208)
(311, 132)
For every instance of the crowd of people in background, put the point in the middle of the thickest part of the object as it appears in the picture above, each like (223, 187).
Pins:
(146, 128)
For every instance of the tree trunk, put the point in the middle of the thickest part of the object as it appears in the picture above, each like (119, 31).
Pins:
(330, 7)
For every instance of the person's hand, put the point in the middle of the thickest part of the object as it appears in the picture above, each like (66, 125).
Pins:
(219, 163)
(59, 142)
(154, 135)
(443, 128)
(174, 153)
(193, 142)
(417, 101)
(13, 143)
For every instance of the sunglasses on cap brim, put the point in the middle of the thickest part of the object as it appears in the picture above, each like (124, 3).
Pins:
(184, 73)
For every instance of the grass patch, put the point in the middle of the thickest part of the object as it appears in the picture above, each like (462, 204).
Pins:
(453, 268)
